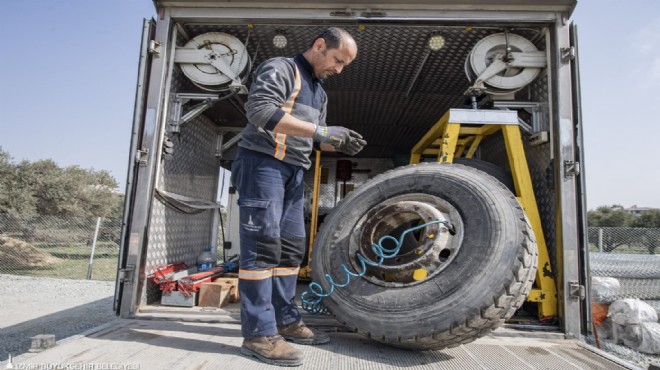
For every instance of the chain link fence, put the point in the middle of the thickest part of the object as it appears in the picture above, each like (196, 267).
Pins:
(625, 263)
(64, 247)
(59, 247)
(632, 240)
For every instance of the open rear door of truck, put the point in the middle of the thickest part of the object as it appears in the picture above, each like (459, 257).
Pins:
(581, 191)
(136, 166)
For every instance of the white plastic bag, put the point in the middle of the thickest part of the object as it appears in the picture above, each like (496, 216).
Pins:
(631, 311)
(618, 333)
(644, 337)
(603, 289)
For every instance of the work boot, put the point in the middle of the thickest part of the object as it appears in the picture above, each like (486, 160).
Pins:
(301, 334)
(272, 350)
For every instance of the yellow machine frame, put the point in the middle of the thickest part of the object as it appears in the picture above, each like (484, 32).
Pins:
(306, 271)
(449, 138)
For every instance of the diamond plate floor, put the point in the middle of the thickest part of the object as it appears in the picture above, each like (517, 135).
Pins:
(196, 343)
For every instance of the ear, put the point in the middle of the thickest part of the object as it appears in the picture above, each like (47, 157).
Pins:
(319, 44)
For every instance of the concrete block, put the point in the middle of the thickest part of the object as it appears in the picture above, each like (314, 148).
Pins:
(41, 342)
(175, 298)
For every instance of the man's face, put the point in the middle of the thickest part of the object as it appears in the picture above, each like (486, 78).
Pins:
(330, 62)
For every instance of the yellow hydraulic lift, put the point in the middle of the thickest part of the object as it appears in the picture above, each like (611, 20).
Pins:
(459, 133)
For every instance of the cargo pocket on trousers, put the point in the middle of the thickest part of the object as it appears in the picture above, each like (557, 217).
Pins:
(255, 222)
(254, 215)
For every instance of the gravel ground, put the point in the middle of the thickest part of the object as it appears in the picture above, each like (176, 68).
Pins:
(31, 306)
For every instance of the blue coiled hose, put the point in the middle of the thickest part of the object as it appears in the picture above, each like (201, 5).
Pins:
(313, 304)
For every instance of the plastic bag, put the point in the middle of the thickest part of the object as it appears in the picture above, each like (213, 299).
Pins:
(631, 311)
(604, 289)
(644, 337)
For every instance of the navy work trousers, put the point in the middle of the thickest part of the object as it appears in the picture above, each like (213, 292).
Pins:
(272, 233)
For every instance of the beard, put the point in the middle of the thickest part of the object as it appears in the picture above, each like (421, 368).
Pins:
(324, 75)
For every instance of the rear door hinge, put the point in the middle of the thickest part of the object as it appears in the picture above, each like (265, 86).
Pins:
(127, 275)
(154, 48)
(567, 54)
(141, 157)
(571, 169)
(576, 291)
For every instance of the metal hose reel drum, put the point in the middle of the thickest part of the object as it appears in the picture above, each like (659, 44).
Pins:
(503, 63)
(215, 61)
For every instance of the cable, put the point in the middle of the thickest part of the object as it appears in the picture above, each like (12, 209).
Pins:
(314, 305)
(167, 202)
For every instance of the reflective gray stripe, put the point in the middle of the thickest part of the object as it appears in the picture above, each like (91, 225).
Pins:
(286, 271)
(255, 274)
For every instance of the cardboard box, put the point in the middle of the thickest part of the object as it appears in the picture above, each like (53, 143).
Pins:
(234, 296)
(214, 294)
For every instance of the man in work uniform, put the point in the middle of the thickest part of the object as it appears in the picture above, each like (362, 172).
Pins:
(286, 111)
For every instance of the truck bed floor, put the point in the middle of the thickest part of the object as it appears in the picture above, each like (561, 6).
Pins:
(153, 342)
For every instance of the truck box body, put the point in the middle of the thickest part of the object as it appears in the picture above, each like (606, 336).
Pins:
(184, 136)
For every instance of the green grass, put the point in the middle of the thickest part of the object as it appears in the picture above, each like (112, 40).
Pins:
(74, 263)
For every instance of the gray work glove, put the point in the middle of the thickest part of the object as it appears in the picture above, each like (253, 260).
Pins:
(345, 140)
(354, 145)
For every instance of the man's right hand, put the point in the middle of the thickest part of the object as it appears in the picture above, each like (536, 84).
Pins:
(334, 135)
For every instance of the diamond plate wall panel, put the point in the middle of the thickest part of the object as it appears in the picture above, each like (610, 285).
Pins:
(175, 236)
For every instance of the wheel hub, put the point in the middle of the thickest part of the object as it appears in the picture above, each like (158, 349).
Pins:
(421, 253)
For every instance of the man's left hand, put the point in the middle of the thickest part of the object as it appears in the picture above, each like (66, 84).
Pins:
(353, 145)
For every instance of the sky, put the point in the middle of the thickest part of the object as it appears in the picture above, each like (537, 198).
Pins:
(68, 71)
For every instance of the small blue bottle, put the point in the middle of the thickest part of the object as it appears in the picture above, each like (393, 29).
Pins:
(206, 260)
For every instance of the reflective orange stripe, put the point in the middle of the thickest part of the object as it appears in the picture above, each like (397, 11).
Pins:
(255, 274)
(280, 139)
(297, 86)
(286, 271)
(280, 149)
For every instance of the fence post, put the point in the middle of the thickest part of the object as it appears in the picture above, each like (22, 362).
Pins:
(91, 256)
(600, 239)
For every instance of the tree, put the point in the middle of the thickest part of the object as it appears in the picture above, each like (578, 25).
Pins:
(643, 230)
(42, 187)
(649, 218)
(609, 216)
(14, 184)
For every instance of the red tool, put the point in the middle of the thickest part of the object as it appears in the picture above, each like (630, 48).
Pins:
(193, 283)
(165, 276)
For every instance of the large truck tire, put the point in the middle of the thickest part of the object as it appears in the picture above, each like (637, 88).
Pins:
(441, 290)
(490, 168)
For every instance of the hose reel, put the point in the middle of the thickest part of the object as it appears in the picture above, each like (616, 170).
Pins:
(215, 61)
(503, 63)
